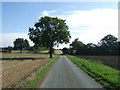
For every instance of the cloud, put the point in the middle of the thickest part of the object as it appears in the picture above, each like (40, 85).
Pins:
(92, 18)
(92, 25)
(9, 38)
(47, 13)
(72, 6)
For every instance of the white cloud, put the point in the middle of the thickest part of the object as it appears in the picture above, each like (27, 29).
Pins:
(92, 18)
(92, 25)
(47, 13)
(72, 6)
(9, 38)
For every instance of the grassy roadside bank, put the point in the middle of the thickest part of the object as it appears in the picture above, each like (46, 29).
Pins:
(41, 74)
(105, 75)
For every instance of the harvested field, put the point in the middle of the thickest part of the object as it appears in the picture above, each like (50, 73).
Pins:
(111, 61)
(17, 67)
(58, 52)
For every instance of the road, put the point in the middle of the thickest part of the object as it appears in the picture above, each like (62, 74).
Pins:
(65, 74)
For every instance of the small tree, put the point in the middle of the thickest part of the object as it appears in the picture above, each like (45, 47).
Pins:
(20, 43)
(76, 44)
(48, 32)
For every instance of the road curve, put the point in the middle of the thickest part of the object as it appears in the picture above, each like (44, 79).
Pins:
(65, 74)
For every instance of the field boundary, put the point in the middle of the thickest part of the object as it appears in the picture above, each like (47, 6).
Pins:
(41, 74)
(102, 79)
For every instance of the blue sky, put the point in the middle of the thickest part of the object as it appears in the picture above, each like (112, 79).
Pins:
(81, 18)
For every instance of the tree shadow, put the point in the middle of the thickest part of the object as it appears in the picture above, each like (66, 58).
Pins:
(21, 59)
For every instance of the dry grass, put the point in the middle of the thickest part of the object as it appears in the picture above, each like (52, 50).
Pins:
(58, 52)
(16, 67)
(18, 51)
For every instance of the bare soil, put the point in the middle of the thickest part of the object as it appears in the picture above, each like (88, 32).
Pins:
(111, 61)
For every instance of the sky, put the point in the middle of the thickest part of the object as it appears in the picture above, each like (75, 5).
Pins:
(88, 21)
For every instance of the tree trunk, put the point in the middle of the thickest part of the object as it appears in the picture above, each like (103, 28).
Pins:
(50, 52)
(51, 55)
(20, 50)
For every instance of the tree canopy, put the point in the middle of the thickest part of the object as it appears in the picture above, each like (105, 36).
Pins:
(109, 44)
(108, 41)
(48, 32)
(76, 44)
(20, 43)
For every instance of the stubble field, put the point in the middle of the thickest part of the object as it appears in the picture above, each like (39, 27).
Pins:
(17, 67)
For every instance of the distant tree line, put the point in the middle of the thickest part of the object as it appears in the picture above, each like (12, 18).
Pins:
(6, 49)
(23, 44)
(109, 45)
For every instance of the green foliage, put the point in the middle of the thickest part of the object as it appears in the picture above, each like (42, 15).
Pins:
(105, 75)
(20, 43)
(41, 74)
(48, 32)
(109, 44)
(7, 48)
(26, 44)
(91, 45)
(76, 44)
(108, 41)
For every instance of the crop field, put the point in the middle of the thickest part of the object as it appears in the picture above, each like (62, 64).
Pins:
(16, 67)
(58, 52)
(111, 61)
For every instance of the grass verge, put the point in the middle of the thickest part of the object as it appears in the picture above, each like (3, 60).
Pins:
(41, 74)
(103, 74)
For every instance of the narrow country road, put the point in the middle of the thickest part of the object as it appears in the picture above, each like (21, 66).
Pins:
(65, 74)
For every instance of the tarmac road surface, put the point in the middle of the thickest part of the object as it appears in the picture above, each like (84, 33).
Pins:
(65, 74)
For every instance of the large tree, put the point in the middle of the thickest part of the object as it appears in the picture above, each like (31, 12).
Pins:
(20, 43)
(48, 32)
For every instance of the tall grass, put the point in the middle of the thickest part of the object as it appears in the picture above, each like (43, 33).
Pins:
(105, 75)
(41, 74)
